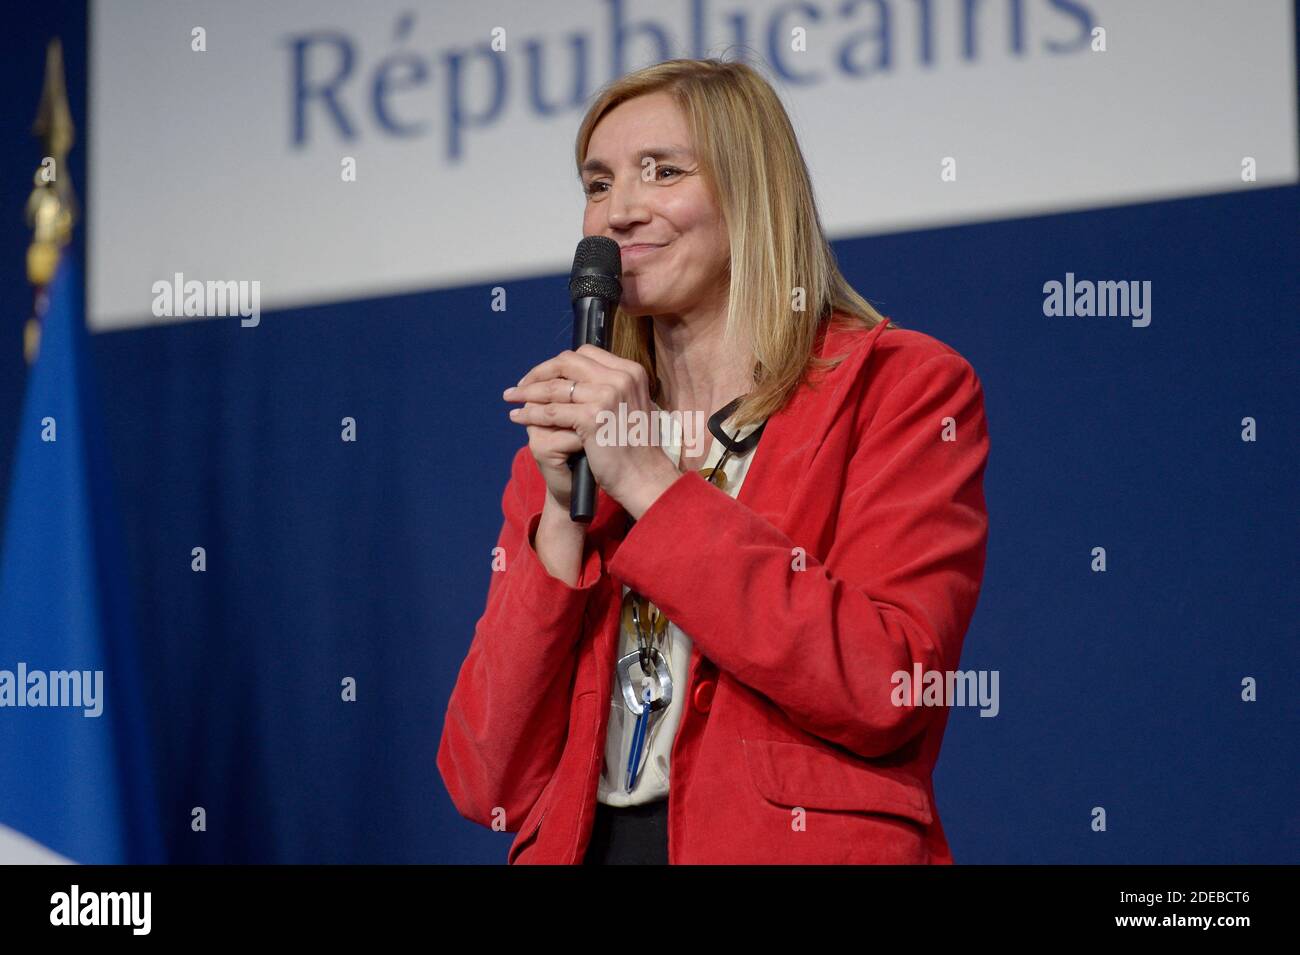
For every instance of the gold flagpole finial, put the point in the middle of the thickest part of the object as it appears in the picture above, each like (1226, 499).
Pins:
(52, 205)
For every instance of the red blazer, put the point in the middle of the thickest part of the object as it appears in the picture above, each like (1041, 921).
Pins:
(789, 749)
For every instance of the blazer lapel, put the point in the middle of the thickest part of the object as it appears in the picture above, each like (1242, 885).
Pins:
(776, 483)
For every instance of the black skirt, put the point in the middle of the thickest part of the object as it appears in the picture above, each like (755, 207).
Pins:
(629, 835)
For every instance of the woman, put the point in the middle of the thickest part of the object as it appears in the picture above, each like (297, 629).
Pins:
(709, 671)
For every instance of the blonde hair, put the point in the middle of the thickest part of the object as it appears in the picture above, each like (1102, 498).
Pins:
(751, 159)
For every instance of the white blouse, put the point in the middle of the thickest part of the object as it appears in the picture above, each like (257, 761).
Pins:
(652, 783)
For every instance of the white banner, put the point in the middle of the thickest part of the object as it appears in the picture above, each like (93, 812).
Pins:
(329, 150)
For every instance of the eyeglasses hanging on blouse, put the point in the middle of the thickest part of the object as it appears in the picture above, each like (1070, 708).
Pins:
(649, 697)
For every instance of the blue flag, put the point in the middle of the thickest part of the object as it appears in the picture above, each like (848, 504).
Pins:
(76, 769)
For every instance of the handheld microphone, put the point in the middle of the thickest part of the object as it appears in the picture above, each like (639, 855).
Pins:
(595, 288)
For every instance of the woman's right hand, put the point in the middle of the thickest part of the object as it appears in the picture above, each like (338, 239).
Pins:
(551, 449)
(559, 540)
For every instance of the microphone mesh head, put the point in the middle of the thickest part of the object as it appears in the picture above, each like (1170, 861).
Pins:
(597, 270)
(597, 255)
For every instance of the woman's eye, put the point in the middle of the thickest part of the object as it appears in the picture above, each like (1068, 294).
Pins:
(597, 187)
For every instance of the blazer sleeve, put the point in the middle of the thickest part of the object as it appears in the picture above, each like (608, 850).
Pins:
(897, 587)
(508, 714)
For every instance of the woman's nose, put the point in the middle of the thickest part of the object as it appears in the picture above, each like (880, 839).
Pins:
(627, 206)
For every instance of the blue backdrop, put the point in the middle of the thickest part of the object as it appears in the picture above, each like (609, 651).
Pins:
(371, 560)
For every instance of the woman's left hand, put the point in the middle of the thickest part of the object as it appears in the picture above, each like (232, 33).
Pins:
(633, 474)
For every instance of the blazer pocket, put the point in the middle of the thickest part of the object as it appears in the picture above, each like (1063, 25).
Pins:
(532, 825)
(796, 774)
(526, 837)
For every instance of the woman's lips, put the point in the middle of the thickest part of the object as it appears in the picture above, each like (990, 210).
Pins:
(638, 251)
